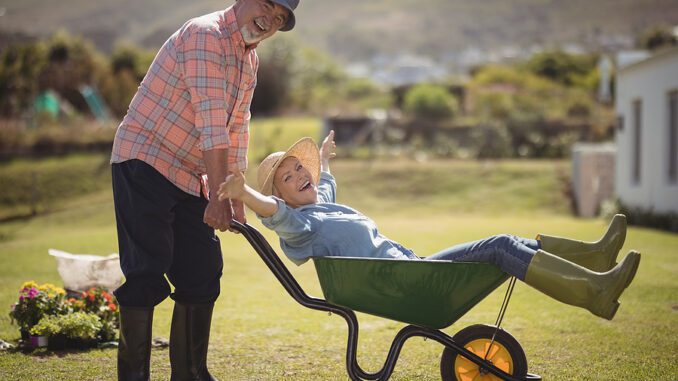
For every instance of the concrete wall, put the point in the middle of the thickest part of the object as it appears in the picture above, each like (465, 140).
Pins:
(649, 81)
(593, 173)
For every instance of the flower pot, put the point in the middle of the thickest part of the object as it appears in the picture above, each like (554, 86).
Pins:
(56, 342)
(79, 343)
(38, 341)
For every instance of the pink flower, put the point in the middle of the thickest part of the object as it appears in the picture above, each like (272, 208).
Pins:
(21, 298)
(32, 293)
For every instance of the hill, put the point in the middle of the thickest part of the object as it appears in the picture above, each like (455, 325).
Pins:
(358, 29)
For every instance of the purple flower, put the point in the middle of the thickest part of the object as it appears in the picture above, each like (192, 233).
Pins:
(32, 293)
(21, 298)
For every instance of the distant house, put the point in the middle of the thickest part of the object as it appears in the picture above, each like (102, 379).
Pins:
(647, 137)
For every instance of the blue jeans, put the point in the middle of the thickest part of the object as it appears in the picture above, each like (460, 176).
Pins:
(510, 253)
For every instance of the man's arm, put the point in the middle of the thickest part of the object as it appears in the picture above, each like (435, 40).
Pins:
(219, 213)
(206, 76)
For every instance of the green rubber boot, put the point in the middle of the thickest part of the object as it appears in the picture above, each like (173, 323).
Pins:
(575, 285)
(599, 256)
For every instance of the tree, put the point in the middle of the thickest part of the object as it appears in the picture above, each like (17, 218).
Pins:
(71, 63)
(273, 78)
(657, 37)
(561, 67)
(127, 67)
(20, 64)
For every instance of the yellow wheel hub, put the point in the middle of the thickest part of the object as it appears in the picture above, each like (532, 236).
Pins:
(499, 356)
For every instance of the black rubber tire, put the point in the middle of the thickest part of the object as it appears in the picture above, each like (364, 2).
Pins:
(483, 331)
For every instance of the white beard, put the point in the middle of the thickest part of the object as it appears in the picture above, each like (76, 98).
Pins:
(248, 37)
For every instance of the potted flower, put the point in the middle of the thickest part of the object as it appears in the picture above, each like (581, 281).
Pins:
(75, 330)
(46, 333)
(36, 301)
(103, 304)
(80, 328)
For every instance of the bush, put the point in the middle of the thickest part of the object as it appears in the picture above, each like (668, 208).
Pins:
(430, 102)
(558, 66)
(656, 37)
(492, 142)
(650, 218)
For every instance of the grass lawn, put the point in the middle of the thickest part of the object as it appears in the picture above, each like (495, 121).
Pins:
(260, 333)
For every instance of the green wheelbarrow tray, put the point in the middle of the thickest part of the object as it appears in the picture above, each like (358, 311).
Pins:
(426, 294)
(431, 294)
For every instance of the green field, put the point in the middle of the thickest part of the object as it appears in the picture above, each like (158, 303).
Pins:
(260, 333)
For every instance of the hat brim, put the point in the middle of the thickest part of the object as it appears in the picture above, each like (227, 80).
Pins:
(308, 154)
(291, 21)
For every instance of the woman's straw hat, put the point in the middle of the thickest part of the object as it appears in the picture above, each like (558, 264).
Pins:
(305, 150)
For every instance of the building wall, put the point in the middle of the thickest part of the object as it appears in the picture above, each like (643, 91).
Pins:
(649, 81)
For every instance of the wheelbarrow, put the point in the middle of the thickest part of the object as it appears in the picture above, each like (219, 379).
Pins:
(427, 295)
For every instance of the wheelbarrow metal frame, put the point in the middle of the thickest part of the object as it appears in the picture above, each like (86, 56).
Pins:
(278, 268)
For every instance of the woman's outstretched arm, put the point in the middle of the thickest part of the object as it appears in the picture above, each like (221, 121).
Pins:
(234, 187)
(327, 151)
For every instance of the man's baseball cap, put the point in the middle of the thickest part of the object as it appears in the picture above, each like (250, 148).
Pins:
(290, 5)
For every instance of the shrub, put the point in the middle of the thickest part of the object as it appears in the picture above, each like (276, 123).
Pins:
(561, 67)
(667, 221)
(431, 102)
(492, 142)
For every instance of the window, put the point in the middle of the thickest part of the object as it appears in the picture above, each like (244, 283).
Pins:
(637, 117)
(673, 137)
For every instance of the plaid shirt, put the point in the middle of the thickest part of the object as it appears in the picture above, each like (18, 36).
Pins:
(195, 97)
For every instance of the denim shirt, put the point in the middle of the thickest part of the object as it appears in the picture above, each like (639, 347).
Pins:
(329, 229)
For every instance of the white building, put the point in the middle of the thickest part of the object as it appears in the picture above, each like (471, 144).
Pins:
(647, 136)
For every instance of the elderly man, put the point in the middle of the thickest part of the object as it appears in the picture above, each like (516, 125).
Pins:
(186, 127)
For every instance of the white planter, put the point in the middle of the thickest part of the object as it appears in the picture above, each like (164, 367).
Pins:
(38, 341)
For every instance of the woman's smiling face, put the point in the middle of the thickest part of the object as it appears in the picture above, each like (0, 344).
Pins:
(293, 183)
(259, 19)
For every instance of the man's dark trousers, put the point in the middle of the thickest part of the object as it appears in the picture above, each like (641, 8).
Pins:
(161, 232)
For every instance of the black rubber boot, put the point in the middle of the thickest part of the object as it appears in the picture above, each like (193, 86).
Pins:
(189, 339)
(134, 346)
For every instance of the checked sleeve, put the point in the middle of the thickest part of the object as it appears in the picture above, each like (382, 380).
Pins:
(211, 84)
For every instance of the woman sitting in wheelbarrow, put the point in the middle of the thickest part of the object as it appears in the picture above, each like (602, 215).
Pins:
(297, 199)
